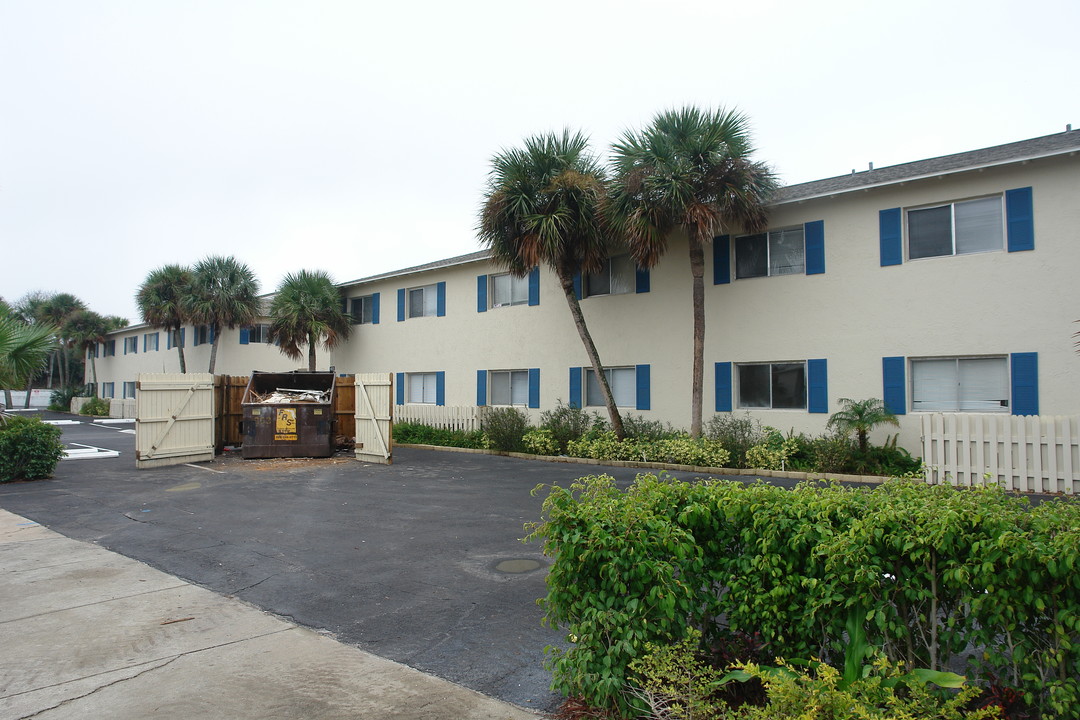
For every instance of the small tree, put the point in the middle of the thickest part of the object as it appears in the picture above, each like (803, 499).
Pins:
(224, 293)
(306, 310)
(161, 300)
(860, 417)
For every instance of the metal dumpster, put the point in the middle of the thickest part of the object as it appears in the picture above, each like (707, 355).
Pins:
(288, 414)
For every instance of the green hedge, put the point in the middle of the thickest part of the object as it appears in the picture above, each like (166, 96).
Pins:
(29, 449)
(427, 435)
(930, 569)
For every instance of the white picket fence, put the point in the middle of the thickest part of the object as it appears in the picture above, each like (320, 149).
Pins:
(1032, 453)
(440, 416)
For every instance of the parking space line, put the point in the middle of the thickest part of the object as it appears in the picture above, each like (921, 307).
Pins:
(88, 452)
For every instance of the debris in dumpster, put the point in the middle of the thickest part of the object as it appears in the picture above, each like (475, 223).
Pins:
(287, 396)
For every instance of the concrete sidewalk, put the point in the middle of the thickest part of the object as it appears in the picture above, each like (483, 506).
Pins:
(85, 632)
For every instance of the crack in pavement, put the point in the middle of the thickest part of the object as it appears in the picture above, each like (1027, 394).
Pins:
(67, 701)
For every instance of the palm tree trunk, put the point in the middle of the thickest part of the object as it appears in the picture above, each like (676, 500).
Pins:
(180, 348)
(311, 352)
(567, 282)
(61, 362)
(52, 362)
(213, 349)
(29, 389)
(697, 271)
(7, 398)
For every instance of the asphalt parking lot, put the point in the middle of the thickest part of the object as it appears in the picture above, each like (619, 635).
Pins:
(420, 562)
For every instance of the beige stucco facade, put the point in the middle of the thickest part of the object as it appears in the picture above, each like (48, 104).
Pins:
(858, 311)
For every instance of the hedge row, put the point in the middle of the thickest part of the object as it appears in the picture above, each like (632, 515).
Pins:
(931, 571)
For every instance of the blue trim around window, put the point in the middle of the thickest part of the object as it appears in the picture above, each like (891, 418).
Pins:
(575, 387)
(440, 299)
(481, 293)
(644, 399)
(400, 381)
(244, 335)
(1020, 219)
(723, 387)
(1025, 383)
(481, 388)
(401, 305)
(375, 308)
(534, 387)
(641, 280)
(894, 384)
(817, 385)
(891, 236)
(721, 260)
(814, 235)
(534, 286)
(440, 388)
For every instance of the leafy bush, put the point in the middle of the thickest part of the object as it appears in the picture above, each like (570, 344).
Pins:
(60, 398)
(568, 423)
(774, 452)
(638, 428)
(930, 572)
(427, 435)
(678, 449)
(736, 433)
(29, 449)
(96, 406)
(505, 427)
(541, 441)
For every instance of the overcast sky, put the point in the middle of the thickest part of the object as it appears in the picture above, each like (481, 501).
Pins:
(355, 137)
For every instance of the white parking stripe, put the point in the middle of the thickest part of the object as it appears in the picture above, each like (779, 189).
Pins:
(88, 452)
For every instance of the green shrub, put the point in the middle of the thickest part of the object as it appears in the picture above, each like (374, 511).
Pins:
(29, 449)
(60, 398)
(427, 435)
(774, 453)
(505, 427)
(568, 423)
(678, 449)
(541, 441)
(95, 406)
(736, 433)
(638, 428)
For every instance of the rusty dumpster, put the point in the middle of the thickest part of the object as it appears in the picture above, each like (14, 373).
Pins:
(288, 414)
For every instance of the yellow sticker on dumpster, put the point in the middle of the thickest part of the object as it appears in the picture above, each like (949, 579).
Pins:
(285, 424)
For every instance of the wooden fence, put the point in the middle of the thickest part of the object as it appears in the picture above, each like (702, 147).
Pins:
(441, 416)
(1035, 453)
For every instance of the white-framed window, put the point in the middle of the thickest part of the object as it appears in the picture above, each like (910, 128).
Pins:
(958, 228)
(960, 384)
(780, 386)
(176, 338)
(362, 310)
(777, 252)
(422, 388)
(507, 289)
(108, 390)
(509, 387)
(150, 342)
(616, 277)
(108, 348)
(259, 333)
(129, 390)
(621, 380)
(423, 301)
(131, 344)
(202, 334)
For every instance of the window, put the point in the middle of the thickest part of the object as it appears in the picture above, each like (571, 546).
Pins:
(777, 252)
(108, 390)
(423, 301)
(960, 384)
(509, 290)
(958, 228)
(422, 387)
(772, 385)
(131, 345)
(175, 338)
(623, 383)
(509, 387)
(129, 390)
(255, 334)
(150, 342)
(108, 348)
(364, 310)
(617, 277)
(203, 334)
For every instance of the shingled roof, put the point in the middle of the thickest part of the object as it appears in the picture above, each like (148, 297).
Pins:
(1046, 146)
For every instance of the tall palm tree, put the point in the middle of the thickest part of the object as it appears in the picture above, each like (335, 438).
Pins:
(24, 349)
(224, 293)
(84, 329)
(860, 417)
(161, 299)
(55, 309)
(544, 205)
(306, 310)
(689, 169)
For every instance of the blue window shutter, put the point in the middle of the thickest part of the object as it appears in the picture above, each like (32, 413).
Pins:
(400, 388)
(195, 336)
(577, 285)
(401, 304)
(814, 234)
(481, 388)
(817, 385)
(1020, 219)
(182, 331)
(894, 384)
(440, 388)
(534, 286)
(890, 228)
(243, 336)
(1025, 383)
(481, 293)
(375, 309)
(575, 387)
(723, 387)
(644, 401)
(721, 260)
(641, 278)
(534, 387)
(344, 305)
(144, 343)
(168, 340)
(212, 334)
(440, 299)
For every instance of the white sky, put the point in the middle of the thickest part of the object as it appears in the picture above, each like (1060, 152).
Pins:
(355, 137)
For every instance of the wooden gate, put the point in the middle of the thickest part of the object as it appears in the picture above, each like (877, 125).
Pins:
(374, 417)
(174, 419)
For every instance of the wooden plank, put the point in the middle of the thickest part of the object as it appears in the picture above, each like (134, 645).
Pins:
(373, 419)
(175, 419)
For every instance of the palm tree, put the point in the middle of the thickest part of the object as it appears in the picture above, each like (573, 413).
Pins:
(84, 330)
(161, 300)
(306, 310)
(544, 205)
(689, 169)
(224, 293)
(55, 309)
(24, 349)
(860, 417)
